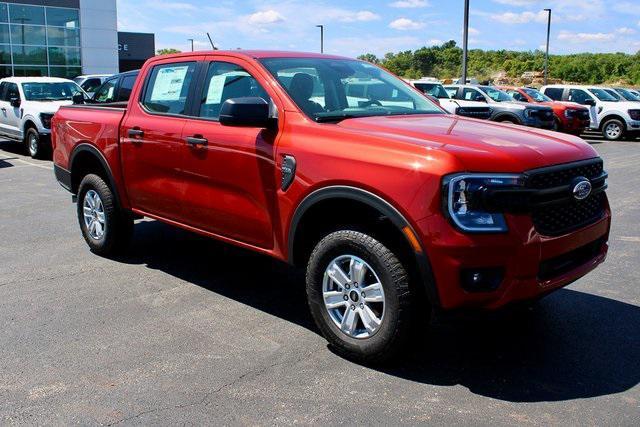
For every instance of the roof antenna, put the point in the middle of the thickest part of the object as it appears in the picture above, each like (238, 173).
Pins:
(211, 41)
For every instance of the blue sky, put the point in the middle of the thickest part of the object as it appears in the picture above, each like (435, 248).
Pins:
(355, 27)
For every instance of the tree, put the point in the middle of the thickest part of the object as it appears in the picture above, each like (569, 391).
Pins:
(168, 50)
(369, 57)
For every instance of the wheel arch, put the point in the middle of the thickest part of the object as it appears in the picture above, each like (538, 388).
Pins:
(403, 233)
(507, 115)
(86, 159)
(610, 116)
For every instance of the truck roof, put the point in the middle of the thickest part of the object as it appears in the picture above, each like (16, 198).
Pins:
(257, 54)
(34, 79)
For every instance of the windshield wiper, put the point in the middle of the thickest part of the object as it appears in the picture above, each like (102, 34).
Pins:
(336, 117)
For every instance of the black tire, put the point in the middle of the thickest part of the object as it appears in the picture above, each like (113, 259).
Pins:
(37, 146)
(612, 135)
(391, 335)
(118, 225)
(509, 120)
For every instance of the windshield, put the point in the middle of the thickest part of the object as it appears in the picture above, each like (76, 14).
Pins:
(628, 95)
(58, 91)
(328, 89)
(496, 94)
(433, 89)
(537, 95)
(603, 95)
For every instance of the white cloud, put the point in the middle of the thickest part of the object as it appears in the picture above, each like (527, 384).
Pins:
(363, 16)
(434, 42)
(520, 18)
(409, 4)
(571, 37)
(626, 31)
(265, 17)
(170, 5)
(517, 2)
(473, 31)
(405, 24)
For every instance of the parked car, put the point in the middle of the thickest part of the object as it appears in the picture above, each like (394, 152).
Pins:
(623, 94)
(614, 119)
(504, 108)
(116, 88)
(393, 208)
(569, 117)
(27, 105)
(91, 82)
(476, 110)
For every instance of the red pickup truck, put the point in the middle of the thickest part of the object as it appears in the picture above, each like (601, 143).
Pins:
(394, 207)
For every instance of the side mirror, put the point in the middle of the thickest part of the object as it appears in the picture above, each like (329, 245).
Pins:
(247, 112)
(589, 101)
(15, 102)
(78, 98)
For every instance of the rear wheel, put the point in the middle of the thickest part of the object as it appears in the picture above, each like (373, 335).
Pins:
(613, 130)
(105, 228)
(358, 293)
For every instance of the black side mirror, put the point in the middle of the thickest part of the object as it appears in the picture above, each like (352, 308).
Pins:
(15, 102)
(589, 101)
(247, 112)
(78, 98)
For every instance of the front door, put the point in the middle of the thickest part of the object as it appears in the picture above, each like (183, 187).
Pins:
(9, 114)
(229, 171)
(151, 140)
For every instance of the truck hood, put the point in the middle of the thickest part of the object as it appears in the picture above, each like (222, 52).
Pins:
(47, 106)
(481, 146)
(568, 104)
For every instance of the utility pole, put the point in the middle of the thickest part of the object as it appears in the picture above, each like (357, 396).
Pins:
(465, 42)
(546, 56)
(321, 37)
(191, 40)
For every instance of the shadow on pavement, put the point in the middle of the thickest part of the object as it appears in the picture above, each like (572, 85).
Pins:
(571, 345)
(12, 147)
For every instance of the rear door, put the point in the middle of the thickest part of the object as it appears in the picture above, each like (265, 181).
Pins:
(151, 138)
(230, 179)
(581, 96)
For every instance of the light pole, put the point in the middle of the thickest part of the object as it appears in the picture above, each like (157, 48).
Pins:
(191, 40)
(546, 56)
(321, 37)
(465, 42)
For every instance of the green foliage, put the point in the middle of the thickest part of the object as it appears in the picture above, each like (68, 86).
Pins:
(445, 61)
(167, 51)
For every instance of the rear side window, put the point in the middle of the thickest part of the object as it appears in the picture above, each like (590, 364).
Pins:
(126, 87)
(554, 93)
(452, 91)
(106, 92)
(90, 85)
(168, 87)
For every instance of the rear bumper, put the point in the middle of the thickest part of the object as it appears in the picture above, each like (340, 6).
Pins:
(531, 265)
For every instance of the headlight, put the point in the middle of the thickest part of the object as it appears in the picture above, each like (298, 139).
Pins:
(463, 200)
(568, 113)
(634, 114)
(45, 118)
(528, 113)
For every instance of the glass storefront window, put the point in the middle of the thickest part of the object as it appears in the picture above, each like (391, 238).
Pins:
(4, 33)
(64, 56)
(63, 36)
(5, 54)
(21, 14)
(28, 34)
(30, 71)
(4, 17)
(67, 18)
(66, 72)
(32, 55)
(5, 71)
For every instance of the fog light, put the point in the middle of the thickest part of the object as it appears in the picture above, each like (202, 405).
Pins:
(481, 279)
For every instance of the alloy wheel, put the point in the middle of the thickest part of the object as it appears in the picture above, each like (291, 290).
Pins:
(613, 130)
(94, 217)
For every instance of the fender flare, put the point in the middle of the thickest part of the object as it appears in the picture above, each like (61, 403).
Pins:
(503, 115)
(378, 203)
(85, 147)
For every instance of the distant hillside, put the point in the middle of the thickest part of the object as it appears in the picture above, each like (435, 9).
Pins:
(445, 61)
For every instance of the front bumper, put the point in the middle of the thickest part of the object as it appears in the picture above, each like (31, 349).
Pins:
(633, 125)
(532, 265)
(540, 124)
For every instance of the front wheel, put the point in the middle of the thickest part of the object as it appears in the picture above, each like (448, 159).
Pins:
(104, 227)
(358, 293)
(35, 144)
(613, 130)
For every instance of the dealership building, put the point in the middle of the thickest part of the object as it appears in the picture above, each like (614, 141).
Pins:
(66, 38)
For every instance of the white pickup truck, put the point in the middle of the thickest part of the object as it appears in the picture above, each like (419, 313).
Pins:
(434, 89)
(27, 105)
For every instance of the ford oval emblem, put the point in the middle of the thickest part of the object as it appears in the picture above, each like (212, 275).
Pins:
(581, 189)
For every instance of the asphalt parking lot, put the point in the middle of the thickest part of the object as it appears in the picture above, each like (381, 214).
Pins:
(183, 330)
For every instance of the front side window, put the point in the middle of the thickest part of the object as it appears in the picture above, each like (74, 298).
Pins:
(615, 94)
(106, 92)
(469, 94)
(538, 96)
(628, 95)
(334, 89)
(59, 91)
(10, 92)
(90, 85)
(451, 91)
(225, 81)
(517, 96)
(496, 94)
(168, 87)
(603, 95)
(579, 96)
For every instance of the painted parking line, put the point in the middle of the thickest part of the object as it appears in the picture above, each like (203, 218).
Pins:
(17, 159)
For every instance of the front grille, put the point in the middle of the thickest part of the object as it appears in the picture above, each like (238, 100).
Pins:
(474, 112)
(562, 218)
(564, 263)
(579, 114)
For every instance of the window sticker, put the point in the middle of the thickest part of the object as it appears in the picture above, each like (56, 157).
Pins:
(216, 86)
(169, 83)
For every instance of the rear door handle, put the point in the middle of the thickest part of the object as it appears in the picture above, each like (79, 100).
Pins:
(133, 133)
(196, 140)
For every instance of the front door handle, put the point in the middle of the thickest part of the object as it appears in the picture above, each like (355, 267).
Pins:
(135, 133)
(196, 140)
